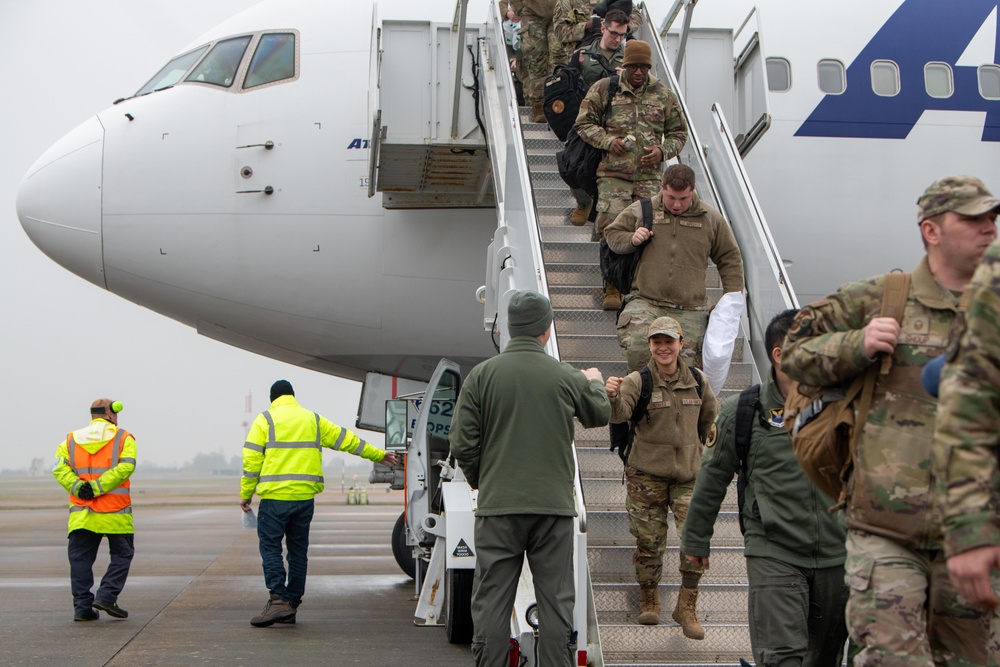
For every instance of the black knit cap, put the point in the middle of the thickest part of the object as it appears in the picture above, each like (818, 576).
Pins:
(281, 388)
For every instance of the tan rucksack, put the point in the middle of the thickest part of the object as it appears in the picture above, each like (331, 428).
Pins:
(821, 420)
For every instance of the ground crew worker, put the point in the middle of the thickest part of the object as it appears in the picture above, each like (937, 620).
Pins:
(513, 439)
(645, 128)
(661, 468)
(794, 546)
(902, 607)
(283, 463)
(94, 464)
(670, 277)
(611, 48)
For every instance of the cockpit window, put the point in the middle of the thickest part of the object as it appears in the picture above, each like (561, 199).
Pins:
(220, 65)
(172, 71)
(273, 60)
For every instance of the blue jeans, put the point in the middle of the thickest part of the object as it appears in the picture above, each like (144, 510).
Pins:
(287, 519)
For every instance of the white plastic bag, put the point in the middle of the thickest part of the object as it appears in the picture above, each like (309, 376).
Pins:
(249, 520)
(720, 338)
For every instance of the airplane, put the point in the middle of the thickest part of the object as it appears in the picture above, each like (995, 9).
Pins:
(269, 204)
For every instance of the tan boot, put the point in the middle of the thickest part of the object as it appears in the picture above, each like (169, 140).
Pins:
(538, 111)
(685, 613)
(580, 213)
(649, 605)
(275, 611)
(612, 299)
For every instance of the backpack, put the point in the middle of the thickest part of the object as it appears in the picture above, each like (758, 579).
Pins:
(747, 408)
(578, 160)
(825, 422)
(623, 433)
(618, 270)
(564, 90)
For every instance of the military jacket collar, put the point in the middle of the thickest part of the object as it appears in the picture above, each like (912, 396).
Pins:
(929, 291)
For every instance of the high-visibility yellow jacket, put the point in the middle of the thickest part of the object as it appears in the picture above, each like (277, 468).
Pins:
(283, 456)
(103, 456)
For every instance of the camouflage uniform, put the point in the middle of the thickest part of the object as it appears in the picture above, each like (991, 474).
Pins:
(592, 70)
(670, 277)
(539, 45)
(650, 113)
(664, 460)
(968, 420)
(902, 604)
(569, 20)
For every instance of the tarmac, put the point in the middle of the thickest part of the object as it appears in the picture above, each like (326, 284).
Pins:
(196, 580)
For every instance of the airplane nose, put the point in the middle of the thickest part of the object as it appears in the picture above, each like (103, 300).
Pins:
(59, 202)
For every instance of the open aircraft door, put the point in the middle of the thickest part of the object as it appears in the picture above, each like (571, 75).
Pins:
(752, 114)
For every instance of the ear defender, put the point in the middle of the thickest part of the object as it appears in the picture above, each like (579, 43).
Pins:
(116, 406)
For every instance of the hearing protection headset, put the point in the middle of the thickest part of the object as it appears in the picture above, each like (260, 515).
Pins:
(114, 406)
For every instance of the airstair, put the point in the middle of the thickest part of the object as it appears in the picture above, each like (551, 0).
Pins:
(536, 247)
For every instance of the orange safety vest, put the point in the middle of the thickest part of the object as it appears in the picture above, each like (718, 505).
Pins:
(89, 467)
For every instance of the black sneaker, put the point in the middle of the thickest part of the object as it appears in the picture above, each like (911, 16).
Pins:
(89, 615)
(111, 609)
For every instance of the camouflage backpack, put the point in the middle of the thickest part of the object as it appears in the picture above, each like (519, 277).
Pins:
(825, 422)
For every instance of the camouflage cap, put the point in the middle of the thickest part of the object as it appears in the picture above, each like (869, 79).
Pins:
(965, 195)
(667, 326)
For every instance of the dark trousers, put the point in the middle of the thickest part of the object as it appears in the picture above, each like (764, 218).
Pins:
(288, 519)
(796, 614)
(83, 545)
(501, 544)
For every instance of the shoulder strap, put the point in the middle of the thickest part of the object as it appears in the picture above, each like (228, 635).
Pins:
(603, 61)
(612, 91)
(647, 212)
(745, 412)
(641, 406)
(699, 377)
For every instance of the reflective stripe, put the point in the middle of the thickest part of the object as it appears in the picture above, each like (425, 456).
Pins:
(340, 438)
(255, 447)
(293, 445)
(80, 508)
(319, 444)
(90, 471)
(100, 488)
(250, 475)
(291, 478)
(270, 427)
(127, 459)
(120, 491)
(71, 445)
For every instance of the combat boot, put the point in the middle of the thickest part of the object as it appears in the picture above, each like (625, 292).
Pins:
(275, 611)
(612, 299)
(649, 605)
(538, 111)
(580, 214)
(685, 613)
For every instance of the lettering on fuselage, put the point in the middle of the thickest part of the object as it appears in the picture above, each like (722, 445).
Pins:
(917, 33)
(359, 143)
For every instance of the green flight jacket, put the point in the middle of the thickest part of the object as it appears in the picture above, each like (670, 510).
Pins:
(512, 434)
(785, 515)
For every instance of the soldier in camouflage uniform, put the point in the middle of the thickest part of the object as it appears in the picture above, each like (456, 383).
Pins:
(902, 607)
(670, 277)
(569, 20)
(540, 48)
(662, 465)
(966, 447)
(648, 112)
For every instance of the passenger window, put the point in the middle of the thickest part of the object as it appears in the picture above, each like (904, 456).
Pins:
(989, 82)
(885, 78)
(220, 65)
(273, 60)
(779, 75)
(172, 72)
(832, 77)
(938, 80)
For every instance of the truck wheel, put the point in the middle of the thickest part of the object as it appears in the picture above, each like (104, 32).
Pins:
(401, 551)
(458, 606)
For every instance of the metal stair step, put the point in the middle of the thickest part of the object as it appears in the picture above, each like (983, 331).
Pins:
(717, 603)
(665, 644)
(613, 564)
(606, 528)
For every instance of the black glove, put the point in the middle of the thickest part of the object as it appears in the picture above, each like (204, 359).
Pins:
(86, 491)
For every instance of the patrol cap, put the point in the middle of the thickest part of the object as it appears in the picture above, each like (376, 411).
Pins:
(965, 195)
(637, 52)
(667, 326)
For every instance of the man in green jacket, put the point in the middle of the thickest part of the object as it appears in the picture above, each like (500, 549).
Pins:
(513, 439)
(283, 463)
(794, 547)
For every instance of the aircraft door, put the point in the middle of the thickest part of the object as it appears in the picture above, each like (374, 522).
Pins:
(752, 115)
